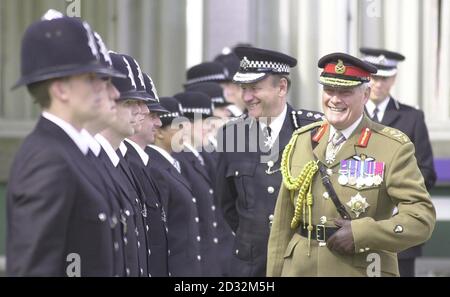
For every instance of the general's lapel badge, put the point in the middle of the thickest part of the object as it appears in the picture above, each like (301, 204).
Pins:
(358, 204)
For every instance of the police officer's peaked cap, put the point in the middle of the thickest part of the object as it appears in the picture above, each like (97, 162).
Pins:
(139, 78)
(213, 90)
(59, 46)
(230, 61)
(174, 108)
(385, 61)
(126, 86)
(195, 103)
(256, 64)
(151, 90)
(343, 70)
(206, 71)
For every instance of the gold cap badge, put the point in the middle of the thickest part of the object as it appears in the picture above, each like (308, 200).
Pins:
(340, 67)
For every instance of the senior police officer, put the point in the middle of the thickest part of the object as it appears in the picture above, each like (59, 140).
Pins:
(383, 108)
(248, 175)
(59, 218)
(341, 184)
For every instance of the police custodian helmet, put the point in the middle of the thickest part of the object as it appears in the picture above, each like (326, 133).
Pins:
(60, 46)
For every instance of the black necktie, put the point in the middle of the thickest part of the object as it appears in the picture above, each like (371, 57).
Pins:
(375, 115)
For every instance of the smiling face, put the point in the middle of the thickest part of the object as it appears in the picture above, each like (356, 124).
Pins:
(343, 106)
(265, 98)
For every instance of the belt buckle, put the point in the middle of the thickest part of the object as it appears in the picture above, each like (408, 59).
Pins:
(320, 234)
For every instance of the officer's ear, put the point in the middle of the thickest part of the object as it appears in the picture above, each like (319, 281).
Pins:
(367, 93)
(58, 90)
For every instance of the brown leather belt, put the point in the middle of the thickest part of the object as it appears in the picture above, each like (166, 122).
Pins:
(321, 233)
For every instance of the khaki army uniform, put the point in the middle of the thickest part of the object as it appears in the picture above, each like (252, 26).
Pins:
(376, 230)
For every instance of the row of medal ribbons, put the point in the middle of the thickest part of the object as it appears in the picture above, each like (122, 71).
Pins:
(361, 173)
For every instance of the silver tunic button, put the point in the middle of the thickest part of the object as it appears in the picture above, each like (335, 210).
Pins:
(271, 217)
(168, 252)
(213, 207)
(147, 228)
(139, 244)
(323, 219)
(216, 240)
(330, 171)
(142, 271)
(127, 212)
(125, 240)
(170, 274)
(236, 173)
(325, 195)
(128, 271)
(237, 252)
(198, 238)
(157, 205)
(196, 219)
(149, 252)
(211, 191)
(270, 190)
(102, 217)
(194, 200)
(116, 246)
(149, 275)
(215, 224)
(199, 257)
(367, 248)
(361, 250)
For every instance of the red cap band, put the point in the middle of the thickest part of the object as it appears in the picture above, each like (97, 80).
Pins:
(349, 71)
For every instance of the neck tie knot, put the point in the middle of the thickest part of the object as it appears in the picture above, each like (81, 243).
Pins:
(375, 115)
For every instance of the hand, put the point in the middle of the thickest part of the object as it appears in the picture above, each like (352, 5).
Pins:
(342, 241)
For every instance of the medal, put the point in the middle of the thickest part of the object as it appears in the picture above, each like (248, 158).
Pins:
(358, 204)
(343, 180)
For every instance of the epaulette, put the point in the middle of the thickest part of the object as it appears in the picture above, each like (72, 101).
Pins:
(308, 127)
(394, 134)
(236, 119)
(305, 115)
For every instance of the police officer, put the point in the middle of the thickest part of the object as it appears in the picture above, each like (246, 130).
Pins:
(340, 185)
(232, 90)
(179, 202)
(248, 174)
(58, 217)
(383, 108)
(138, 161)
(127, 123)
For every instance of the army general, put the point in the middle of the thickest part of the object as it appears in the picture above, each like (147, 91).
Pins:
(342, 178)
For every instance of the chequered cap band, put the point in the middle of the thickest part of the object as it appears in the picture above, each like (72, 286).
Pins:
(247, 65)
(197, 110)
(212, 77)
(170, 115)
(218, 100)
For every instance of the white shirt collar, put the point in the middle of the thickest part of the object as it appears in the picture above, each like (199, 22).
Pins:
(346, 132)
(276, 124)
(191, 148)
(76, 136)
(123, 149)
(93, 144)
(370, 106)
(164, 153)
(108, 149)
(139, 150)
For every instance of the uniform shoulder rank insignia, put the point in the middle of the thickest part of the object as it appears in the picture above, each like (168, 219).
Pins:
(308, 127)
(395, 134)
(305, 115)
